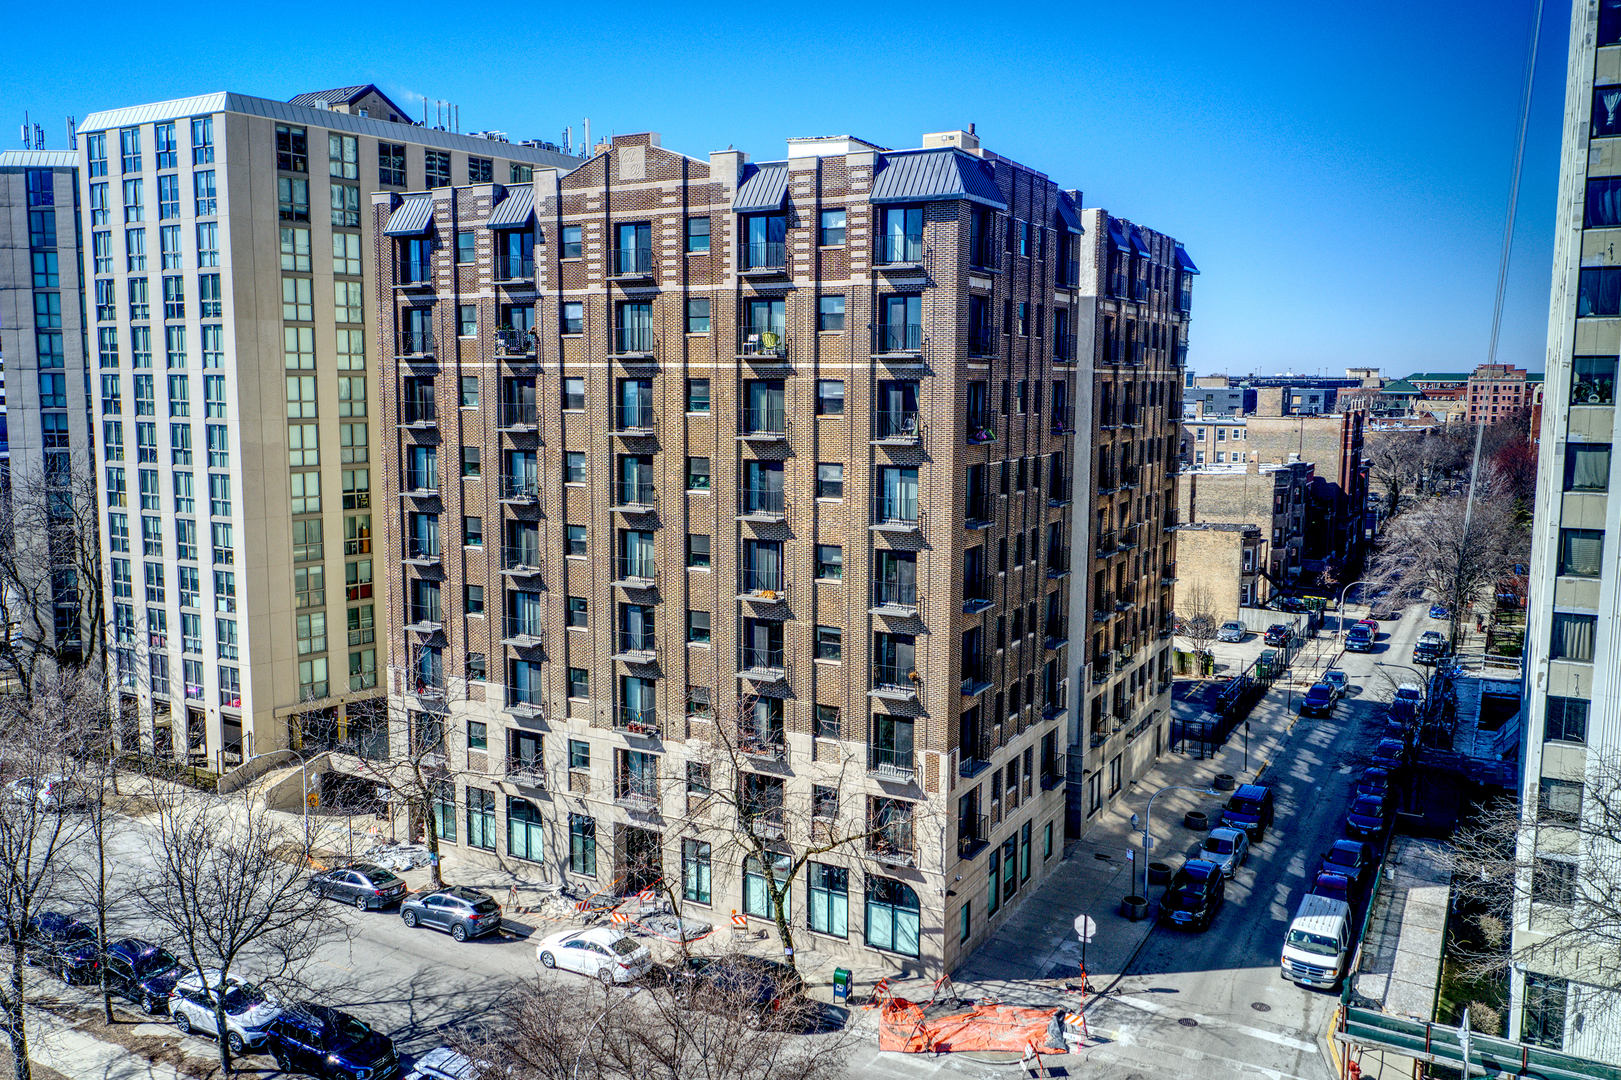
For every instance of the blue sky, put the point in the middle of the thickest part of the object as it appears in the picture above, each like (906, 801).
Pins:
(1339, 172)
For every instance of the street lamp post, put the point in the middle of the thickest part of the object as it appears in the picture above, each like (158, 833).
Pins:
(304, 778)
(1339, 630)
(1148, 818)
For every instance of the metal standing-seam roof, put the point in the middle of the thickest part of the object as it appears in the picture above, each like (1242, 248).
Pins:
(763, 189)
(39, 159)
(1117, 237)
(1067, 215)
(412, 217)
(1138, 243)
(515, 211)
(934, 176)
(1183, 261)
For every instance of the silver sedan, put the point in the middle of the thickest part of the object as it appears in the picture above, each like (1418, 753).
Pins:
(1227, 848)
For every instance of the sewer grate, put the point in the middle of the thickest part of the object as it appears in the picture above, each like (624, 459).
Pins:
(1260, 1006)
(1188, 1021)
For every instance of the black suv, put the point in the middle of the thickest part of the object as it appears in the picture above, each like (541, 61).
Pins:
(333, 1045)
(1278, 634)
(361, 884)
(142, 972)
(64, 946)
(466, 913)
(768, 986)
(1194, 895)
(1250, 809)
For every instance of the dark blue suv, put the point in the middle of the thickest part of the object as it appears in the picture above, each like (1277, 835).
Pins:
(64, 945)
(142, 972)
(333, 1045)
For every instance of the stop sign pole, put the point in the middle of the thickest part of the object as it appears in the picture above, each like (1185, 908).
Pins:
(1085, 927)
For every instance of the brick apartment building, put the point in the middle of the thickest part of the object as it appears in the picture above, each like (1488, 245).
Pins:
(1138, 285)
(1277, 499)
(731, 499)
(1498, 391)
(1333, 445)
(1225, 560)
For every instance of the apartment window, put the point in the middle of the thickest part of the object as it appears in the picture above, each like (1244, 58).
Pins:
(132, 208)
(582, 844)
(1545, 1005)
(1580, 552)
(466, 247)
(96, 153)
(574, 466)
(756, 890)
(1566, 720)
(480, 170)
(830, 397)
(832, 228)
(830, 313)
(219, 447)
(436, 166)
(697, 474)
(1587, 467)
(829, 480)
(1572, 637)
(346, 260)
(829, 562)
(135, 250)
(573, 317)
(357, 580)
(207, 200)
(467, 320)
(573, 393)
(578, 613)
(579, 686)
(168, 197)
(391, 164)
(575, 540)
(697, 551)
(292, 149)
(292, 199)
(343, 156)
(100, 212)
(697, 234)
(698, 316)
(697, 395)
(1553, 881)
(698, 627)
(154, 583)
(572, 235)
(174, 298)
(1559, 802)
(309, 586)
(219, 495)
(352, 397)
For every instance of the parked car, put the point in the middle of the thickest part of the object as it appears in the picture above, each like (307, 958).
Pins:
(1409, 698)
(1249, 808)
(463, 912)
(329, 1044)
(1373, 781)
(1337, 679)
(1390, 754)
(1367, 818)
(1292, 604)
(361, 884)
(1231, 631)
(1332, 885)
(1278, 634)
(1431, 646)
(1352, 858)
(1227, 848)
(248, 1009)
(764, 984)
(64, 946)
(1397, 728)
(50, 792)
(1359, 638)
(443, 1063)
(142, 972)
(1438, 611)
(1194, 895)
(603, 952)
(1319, 701)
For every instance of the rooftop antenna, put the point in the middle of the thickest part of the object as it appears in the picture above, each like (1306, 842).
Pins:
(457, 123)
(568, 140)
(39, 137)
(28, 133)
(73, 132)
(586, 137)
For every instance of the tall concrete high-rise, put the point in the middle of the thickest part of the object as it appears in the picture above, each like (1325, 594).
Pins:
(220, 247)
(1563, 985)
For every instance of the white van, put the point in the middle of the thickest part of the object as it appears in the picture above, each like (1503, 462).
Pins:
(1318, 944)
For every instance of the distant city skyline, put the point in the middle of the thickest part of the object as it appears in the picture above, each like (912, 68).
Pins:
(1340, 175)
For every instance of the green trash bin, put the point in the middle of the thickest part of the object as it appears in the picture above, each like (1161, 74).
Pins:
(841, 984)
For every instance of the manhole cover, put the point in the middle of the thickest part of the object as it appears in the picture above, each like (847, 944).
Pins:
(1188, 1021)
(1260, 1006)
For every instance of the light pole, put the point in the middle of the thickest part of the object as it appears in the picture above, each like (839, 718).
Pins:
(600, 1018)
(304, 777)
(1339, 630)
(1148, 818)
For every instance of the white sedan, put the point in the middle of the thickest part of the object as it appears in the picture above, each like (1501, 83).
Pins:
(603, 952)
(248, 1009)
(1227, 848)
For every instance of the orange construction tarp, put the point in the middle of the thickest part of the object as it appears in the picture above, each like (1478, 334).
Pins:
(905, 1027)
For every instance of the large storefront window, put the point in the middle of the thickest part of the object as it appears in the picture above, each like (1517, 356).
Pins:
(829, 899)
(525, 839)
(695, 871)
(893, 916)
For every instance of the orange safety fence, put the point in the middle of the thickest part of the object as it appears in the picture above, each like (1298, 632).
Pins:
(905, 1027)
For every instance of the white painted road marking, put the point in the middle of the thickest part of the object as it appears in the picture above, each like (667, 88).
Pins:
(1207, 1021)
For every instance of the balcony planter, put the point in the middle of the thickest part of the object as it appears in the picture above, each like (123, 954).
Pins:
(1134, 908)
(1159, 873)
(981, 435)
(1196, 820)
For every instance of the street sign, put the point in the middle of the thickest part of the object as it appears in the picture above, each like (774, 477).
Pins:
(1085, 927)
(1131, 856)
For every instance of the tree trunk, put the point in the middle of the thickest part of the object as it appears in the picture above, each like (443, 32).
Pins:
(430, 834)
(16, 1020)
(779, 898)
(219, 1026)
(101, 909)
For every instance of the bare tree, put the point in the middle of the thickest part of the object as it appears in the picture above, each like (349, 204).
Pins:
(42, 736)
(1429, 547)
(228, 884)
(1198, 619)
(1412, 464)
(50, 575)
(417, 768)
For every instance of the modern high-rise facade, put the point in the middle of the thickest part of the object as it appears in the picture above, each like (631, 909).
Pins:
(42, 340)
(1136, 290)
(1563, 992)
(702, 476)
(230, 239)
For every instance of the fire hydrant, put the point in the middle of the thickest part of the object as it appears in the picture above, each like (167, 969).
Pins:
(1353, 1071)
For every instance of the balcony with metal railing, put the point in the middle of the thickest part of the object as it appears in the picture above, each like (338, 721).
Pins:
(764, 257)
(888, 763)
(520, 561)
(523, 631)
(1167, 574)
(1173, 518)
(1103, 607)
(638, 794)
(1139, 290)
(419, 413)
(898, 251)
(514, 269)
(1126, 598)
(980, 429)
(522, 490)
(973, 834)
(1102, 666)
(633, 343)
(422, 551)
(898, 339)
(974, 682)
(764, 586)
(892, 682)
(762, 665)
(523, 702)
(891, 842)
(897, 599)
(1063, 348)
(762, 424)
(1058, 491)
(983, 341)
(429, 688)
(766, 505)
(1107, 543)
(1058, 561)
(636, 646)
(1106, 482)
(986, 253)
(1056, 634)
(762, 345)
(634, 720)
(414, 343)
(764, 821)
(1063, 421)
(896, 514)
(897, 429)
(1067, 274)
(515, 342)
(980, 511)
(411, 274)
(638, 573)
(1130, 476)
(635, 421)
(634, 497)
(632, 262)
(424, 618)
(519, 416)
(526, 772)
(769, 746)
(978, 594)
(1054, 771)
(420, 484)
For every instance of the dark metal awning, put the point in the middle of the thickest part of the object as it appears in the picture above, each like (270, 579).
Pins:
(1137, 242)
(516, 211)
(1068, 216)
(763, 190)
(1118, 238)
(936, 176)
(412, 217)
(1183, 261)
